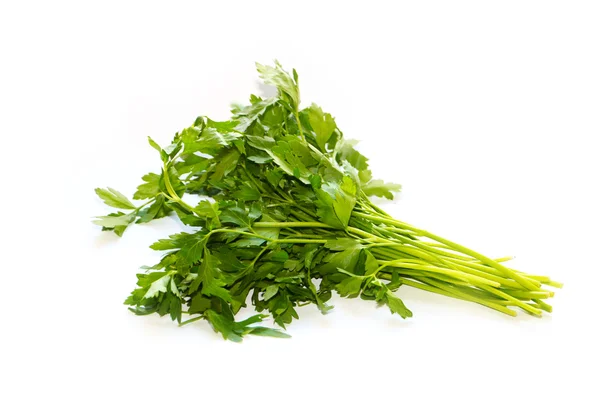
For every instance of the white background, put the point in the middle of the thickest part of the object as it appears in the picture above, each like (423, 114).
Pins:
(486, 112)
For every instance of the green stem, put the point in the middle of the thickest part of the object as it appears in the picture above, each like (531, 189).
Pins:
(468, 297)
(268, 239)
(251, 178)
(543, 305)
(514, 300)
(259, 255)
(409, 264)
(300, 130)
(189, 321)
(493, 277)
(419, 232)
(529, 295)
(492, 271)
(145, 204)
(275, 224)
(172, 194)
(321, 241)
(460, 296)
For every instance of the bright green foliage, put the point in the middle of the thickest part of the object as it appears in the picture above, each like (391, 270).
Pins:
(322, 125)
(115, 199)
(286, 220)
(378, 188)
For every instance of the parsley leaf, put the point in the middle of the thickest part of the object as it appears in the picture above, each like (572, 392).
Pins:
(115, 198)
(336, 202)
(322, 124)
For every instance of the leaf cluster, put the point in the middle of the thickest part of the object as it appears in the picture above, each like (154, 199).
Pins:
(285, 219)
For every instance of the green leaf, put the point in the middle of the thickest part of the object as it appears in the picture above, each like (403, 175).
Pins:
(261, 159)
(174, 288)
(112, 221)
(209, 277)
(115, 199)
(276, 76)
(154, 145)
(371, 264)
(292, 265)
(237, 215)
(270, 291)
(191, 245)
(396, 305)
(264, 143)
(322, 124)
(339, 244)
(193, 164)
(249, 321)
(149, 189)
(274, 176)
(222, 324)
(336, 202)
(200, 303)
(346, 260)
(248, 242)
(292, 161)
(216, 288)
(315, 181)
(227, 163)
(246, 193)
(350, 287)
(145, 280)
(207, 271)
(379, 188)
(269, 332)
(158, 209)
(118, 230)
(248, 117)
(278, 255)
(208, 140)
(210, 211)
(302, 154)
(255, 211)
(221, 126)
(345, 151)
(175, 309)
(158, 286)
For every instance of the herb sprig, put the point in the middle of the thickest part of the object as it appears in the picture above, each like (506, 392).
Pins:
(286, 219)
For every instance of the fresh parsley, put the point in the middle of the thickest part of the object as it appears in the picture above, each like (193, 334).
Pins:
(286, 221)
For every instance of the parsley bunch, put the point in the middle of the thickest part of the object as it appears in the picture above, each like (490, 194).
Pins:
(286, 220)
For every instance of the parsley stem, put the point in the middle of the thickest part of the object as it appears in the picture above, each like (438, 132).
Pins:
(268, 224)
(251, 178)
(300, 130)
(189, 321)
(265, 238)
(469, 297)
(172, 194)
(145, 204)
(543, 305)
(555, 284)
(514, 300)
(260, 253)
(403, 251)
(454, 294)
(528, 284)
(322, 241)
(409, 264)
(496, 278)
